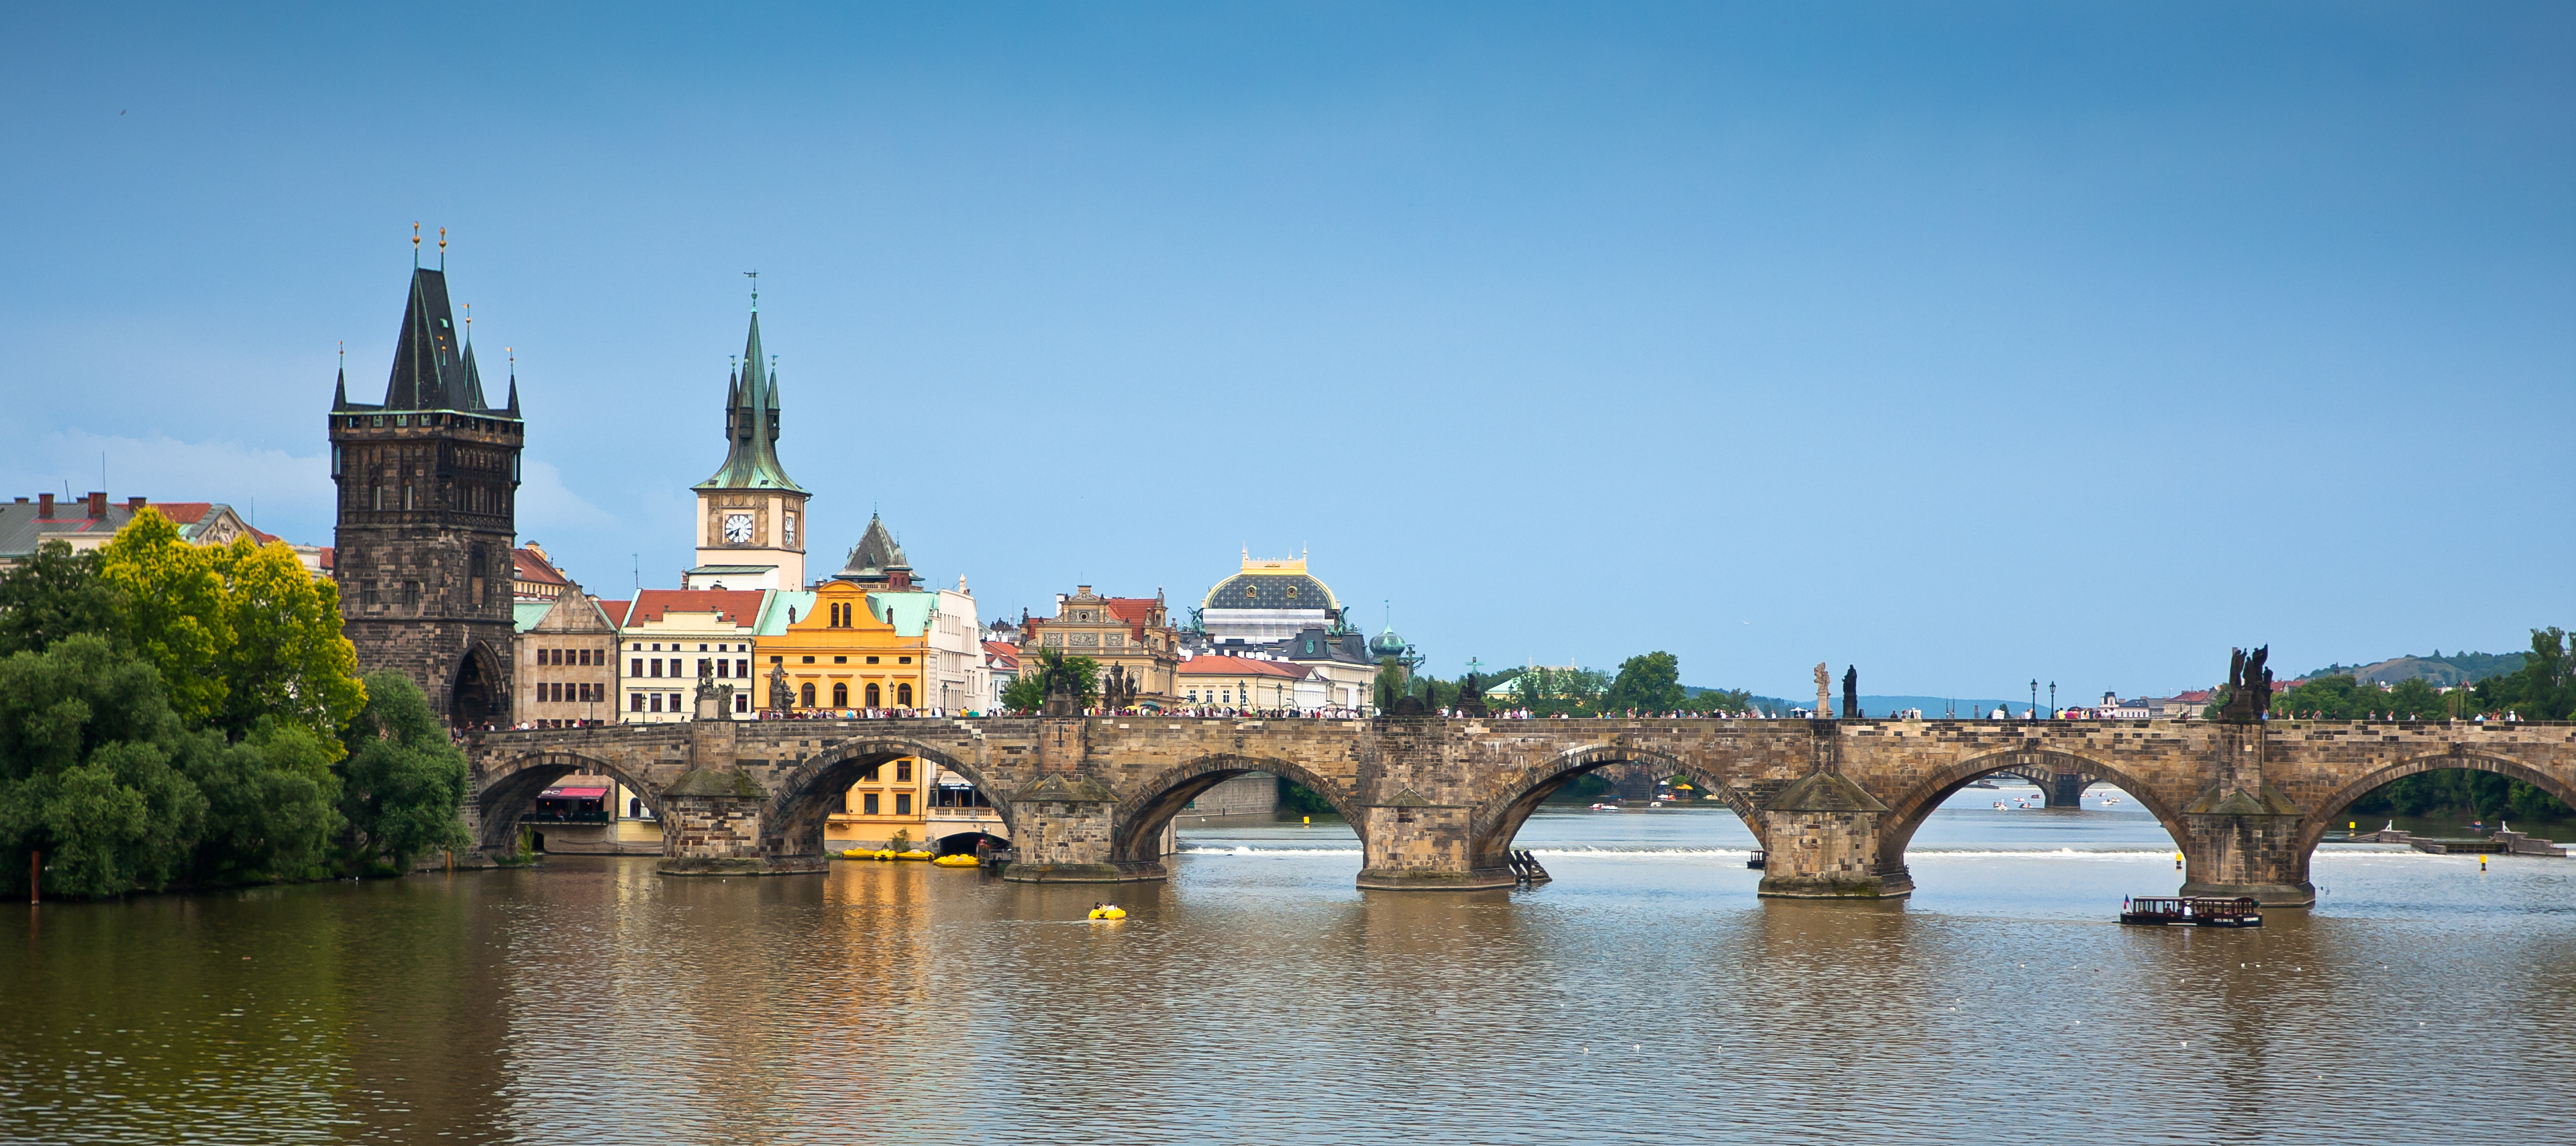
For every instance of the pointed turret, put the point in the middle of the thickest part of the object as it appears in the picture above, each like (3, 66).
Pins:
(877, 561)
(513, 411)
(340, 391)
(751, 426)
(433, 366)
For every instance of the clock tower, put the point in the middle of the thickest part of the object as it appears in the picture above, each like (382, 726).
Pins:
(751, 515)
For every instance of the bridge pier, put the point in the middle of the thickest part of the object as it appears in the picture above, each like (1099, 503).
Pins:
(2065, 790)
(2241, 837)
(1822, 837)
(1065, 830)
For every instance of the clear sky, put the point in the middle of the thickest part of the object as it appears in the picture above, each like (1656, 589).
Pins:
(1967, 343)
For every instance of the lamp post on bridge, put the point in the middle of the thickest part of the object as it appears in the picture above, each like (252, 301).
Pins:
(2052, 700)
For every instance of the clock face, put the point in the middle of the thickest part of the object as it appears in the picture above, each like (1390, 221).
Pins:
(737, 527)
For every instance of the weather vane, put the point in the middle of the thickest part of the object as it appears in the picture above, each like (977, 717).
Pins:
(754, 276)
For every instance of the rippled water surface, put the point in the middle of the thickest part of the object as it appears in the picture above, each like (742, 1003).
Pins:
(1645, 995)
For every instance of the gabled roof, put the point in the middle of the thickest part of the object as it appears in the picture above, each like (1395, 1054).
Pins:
(532, 566)
(615, 611)
(1133, 610)
(875, 553)
(1002, 654)
(737, 607)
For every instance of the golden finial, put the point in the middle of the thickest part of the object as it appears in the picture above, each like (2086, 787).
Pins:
(415, 246)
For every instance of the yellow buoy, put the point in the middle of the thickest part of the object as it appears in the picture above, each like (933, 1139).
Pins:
(1108, 912)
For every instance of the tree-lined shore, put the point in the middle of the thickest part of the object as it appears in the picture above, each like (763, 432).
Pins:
(177, 716)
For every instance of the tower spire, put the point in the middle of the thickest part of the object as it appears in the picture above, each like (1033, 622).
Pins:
(751, 416)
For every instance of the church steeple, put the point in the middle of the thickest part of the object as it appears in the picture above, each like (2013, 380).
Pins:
(751, 423)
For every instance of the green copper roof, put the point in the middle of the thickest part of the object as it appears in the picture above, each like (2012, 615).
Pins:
(773, 615)
(751, 425)
(526, 614)
(909, 613)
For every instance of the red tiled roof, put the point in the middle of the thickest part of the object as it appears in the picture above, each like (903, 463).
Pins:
(1133, 610)
(330, 557)
(1240, 666)
(179, 512)
(737, 607)
(616, 610)
(530, 567)
(1003, 653)
(2196, 695)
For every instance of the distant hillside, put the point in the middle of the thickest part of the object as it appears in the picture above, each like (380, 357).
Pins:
(1767, 702)
(2437, 670)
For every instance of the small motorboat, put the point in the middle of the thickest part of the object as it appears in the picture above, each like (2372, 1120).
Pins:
(1107, 911)
(1605, 807)
(961, 859)
(1759, 859)
(1999, 805)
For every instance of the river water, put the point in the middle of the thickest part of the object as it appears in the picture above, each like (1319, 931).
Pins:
(1646, 995)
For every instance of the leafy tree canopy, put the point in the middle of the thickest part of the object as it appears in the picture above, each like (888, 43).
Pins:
(403, 780)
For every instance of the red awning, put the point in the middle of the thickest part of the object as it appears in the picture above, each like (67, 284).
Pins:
(572, 793)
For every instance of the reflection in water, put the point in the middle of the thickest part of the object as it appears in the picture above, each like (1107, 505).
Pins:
(1646, 994)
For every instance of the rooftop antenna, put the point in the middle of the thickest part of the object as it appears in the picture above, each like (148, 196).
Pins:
(415, 246)
(442, 250)
(638, 558)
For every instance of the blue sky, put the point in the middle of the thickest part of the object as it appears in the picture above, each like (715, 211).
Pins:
(1967, 343)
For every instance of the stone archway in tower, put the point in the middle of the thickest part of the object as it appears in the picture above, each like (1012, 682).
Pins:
(481, 693)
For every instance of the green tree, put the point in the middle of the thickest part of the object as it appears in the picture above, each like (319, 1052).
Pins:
(52, 595)
(240, 632)
(174, 610)
(1025, 693)
(92, 771)
(402, 781)
(1650, 682)
(287, 660)
(271, 806)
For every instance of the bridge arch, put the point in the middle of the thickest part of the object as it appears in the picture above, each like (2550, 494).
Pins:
(2324, 817)
(1906, 814)
(504, 791)
(1139, 818)
(792, 821)
(1493, 823)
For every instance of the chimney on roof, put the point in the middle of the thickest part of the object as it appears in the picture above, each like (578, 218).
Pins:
(134, 504)
(98, 503)
(44, 505)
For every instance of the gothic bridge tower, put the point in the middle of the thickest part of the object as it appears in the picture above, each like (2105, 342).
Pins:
(428, 482)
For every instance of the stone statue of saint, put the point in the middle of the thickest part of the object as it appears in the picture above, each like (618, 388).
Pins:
(1851, 691)
(1824, 692)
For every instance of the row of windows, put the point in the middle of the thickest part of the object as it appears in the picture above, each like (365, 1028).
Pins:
(845, 660)
(675, 647)
(868, 804)
(571, 656)
(725, 667)
(654, 702)
(574, 692)
(841, 696)
(361, 421)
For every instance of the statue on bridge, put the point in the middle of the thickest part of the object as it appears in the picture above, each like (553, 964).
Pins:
(1851, 691)
(2249, 685)
(1471, 696)
(781, 699)
(1824, 692)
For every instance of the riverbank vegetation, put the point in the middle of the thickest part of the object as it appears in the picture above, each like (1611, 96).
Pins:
(1647, 682)
(175, 715)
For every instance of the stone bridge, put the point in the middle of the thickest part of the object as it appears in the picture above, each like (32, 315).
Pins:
(1436, 800)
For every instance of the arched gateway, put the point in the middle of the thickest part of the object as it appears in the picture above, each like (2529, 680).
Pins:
(1435, 800)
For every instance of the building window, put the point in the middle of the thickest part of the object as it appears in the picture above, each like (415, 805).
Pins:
(805, 695)
(872, 660)
(657, 701)
(657, 666)
(742, 702)
(675, 702)
(903, 660)
(367, 594)
(903, 771)
(635, 702)
(874, 701)
(791, 530)
(903, 803)
(635, 667)
(840, 694)
(840, 660)
(809, 660)
(903, 696)
(724, 667)
(868, 804)
(742, 667)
